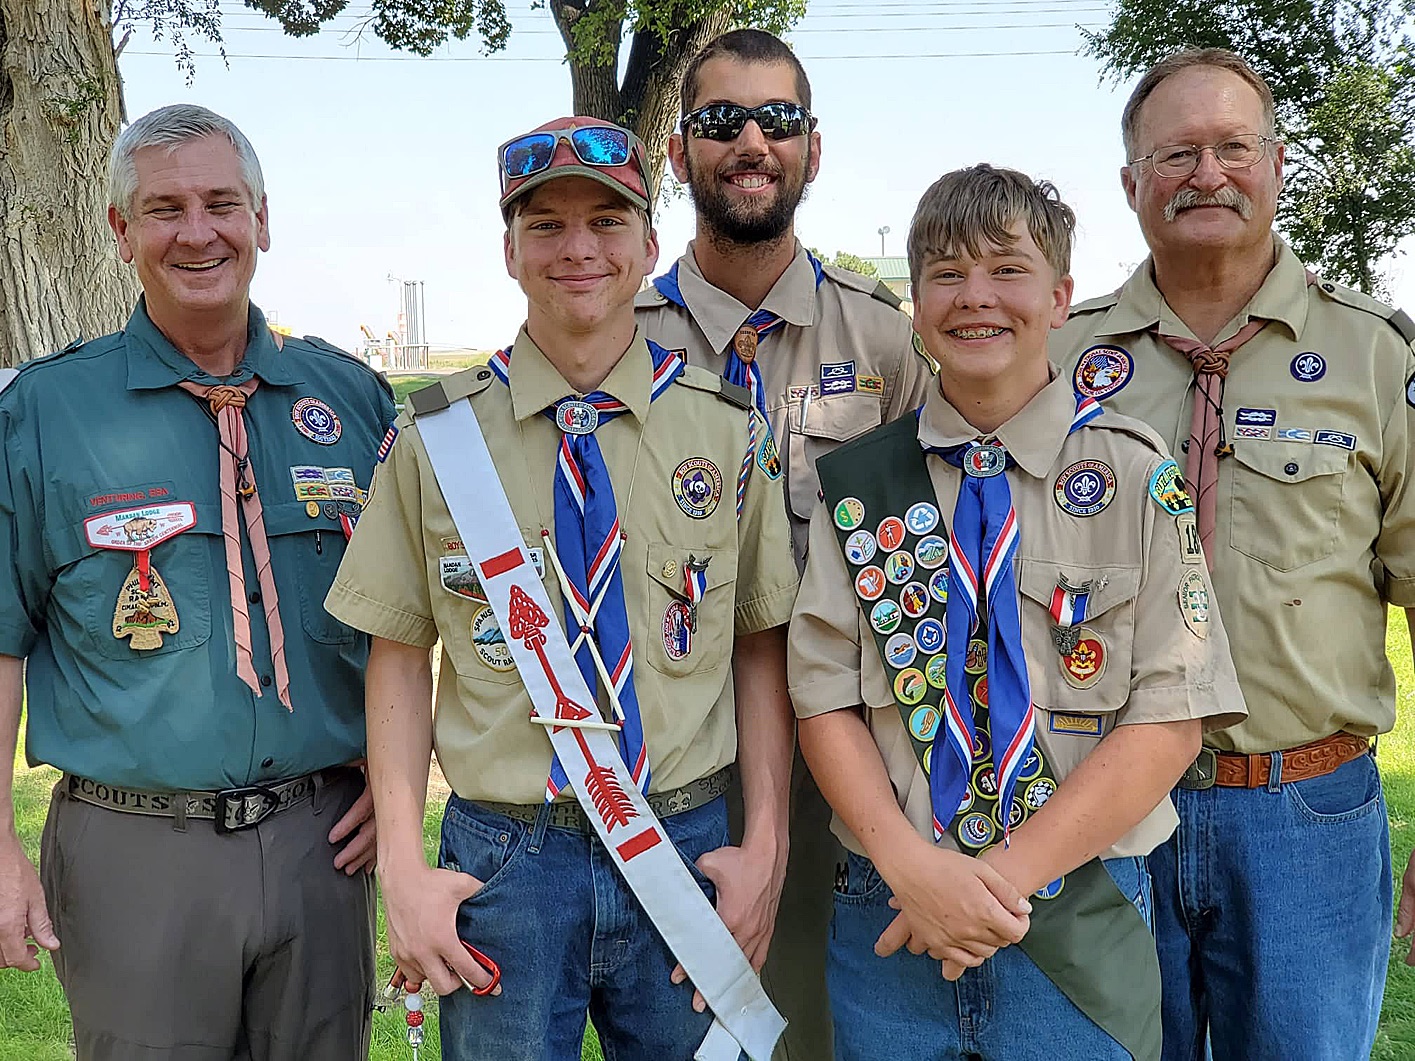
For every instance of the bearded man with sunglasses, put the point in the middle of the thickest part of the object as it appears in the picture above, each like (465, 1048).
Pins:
(585, 475)
(826, 354)
(1291, 402)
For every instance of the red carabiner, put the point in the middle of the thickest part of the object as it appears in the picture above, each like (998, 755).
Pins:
(400, 978)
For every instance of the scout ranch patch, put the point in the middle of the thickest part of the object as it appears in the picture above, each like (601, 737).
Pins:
(1085, 488)
(1167, 489)
(697, 487)
(1194, 604)
(1308, 367)
(489, 642)
(315, 420)
(1103, 371)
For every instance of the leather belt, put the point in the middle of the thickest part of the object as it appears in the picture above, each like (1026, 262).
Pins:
(1234, 770)
(232, 810)
(567, 813)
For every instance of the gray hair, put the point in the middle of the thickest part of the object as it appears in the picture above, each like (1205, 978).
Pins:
(170, 127)
(1215, 58)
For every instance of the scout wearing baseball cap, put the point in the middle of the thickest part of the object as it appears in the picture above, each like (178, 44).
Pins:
(579, 147)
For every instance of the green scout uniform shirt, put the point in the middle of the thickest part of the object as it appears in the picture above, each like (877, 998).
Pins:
(401, 579)
(1156, 669)
(103, 427)
(846, 320)
(1315, 518)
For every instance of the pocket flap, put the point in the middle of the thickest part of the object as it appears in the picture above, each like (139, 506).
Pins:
(665, 566)
(838, 418)
(1291, 462)
(1110, 585)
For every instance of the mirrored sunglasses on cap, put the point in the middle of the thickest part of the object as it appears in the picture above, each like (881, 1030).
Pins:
(594, 145)
(780, 120)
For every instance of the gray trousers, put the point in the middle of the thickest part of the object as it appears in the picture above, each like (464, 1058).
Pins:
(182, 945)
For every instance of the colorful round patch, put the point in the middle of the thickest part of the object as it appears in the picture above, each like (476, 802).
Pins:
(890, 533)
(909, 686)
(938, 586)
(860, 547)
(677, 630)
(985, 460)
(312, 509)
(885, 617)
(923, 723)
(1102, 371)
(1052, 890)
(976, 661)
(931, 552)
(1308, 367)
(1016, 814)
(936, 671)
(914, 599)
(870, 583)
(928, 635)
(982, 747)
(315, 420)
(899, 651)
(1031, 766)
(898, 567)
(1083, 666)
(575, 417)
(697, 487)
(1038, 792)
(980, 691)
(849, 513)
(985, 781)
(976, 830)
(489, 642)
(1167, 489)
(928, 759)
(966, 803)
(922, 517)
(1085, 488)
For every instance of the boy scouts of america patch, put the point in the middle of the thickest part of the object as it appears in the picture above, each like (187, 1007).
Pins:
(1194, 604)
(1085, 488)
(489, 642)
(1167, 489)
(697, 487)
(315, 420)
(1103, 371)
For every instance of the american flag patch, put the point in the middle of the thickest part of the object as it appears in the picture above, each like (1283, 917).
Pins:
(387, 444)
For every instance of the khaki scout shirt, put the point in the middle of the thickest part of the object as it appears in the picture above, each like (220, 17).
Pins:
(1316, 523)
(395, 581)
(842, 322)
(1156, 669)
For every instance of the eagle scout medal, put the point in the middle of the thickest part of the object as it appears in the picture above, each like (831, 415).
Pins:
(849, 513)
(1085, 488)
(145, 610)
(697, 487)
(489, 642)
(1194, 604)
(1102, 371)
(677, 630)
(1083, 666)
(745, 343)
(576, 417)
(695, 586)
(316, 421)
(1068, 609)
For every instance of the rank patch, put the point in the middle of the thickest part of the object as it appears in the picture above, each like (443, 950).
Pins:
(1083, 666)
(315, 420)
(677, 630)
(849, 513)
(837, 378)
(1339, 439)
(1073, 722)
(1102, 371)
(490, 643)
(697, 487)
(1194, 604)
(1167, 489)
(1308, 367)
(1085, 488)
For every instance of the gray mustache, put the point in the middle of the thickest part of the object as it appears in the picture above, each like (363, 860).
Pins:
(1189, 197)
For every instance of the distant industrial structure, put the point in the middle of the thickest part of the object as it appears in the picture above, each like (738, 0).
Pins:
(407, 348)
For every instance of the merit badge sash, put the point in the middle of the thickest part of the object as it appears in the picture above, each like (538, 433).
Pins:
(586, 748)
(1085, 935)
(145, 610)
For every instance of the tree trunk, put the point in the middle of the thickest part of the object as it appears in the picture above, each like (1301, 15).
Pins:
(60, 108)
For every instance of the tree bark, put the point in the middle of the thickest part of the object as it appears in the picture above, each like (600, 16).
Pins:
(60, 109)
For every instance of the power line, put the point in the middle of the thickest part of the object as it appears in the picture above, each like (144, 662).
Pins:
(561, 58)
(795, 32)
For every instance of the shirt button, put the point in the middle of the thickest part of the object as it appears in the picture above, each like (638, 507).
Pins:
(267, 763)
(1290, 468)
(255, 596)
(265, 680)
(1184, 446)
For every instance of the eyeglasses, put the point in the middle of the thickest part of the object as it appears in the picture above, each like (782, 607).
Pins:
(594, 145)
(1243, 151)
(725, 121)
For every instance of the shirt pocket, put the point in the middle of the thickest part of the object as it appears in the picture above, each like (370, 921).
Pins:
(472, 639)
(827, 423)
(674, 646)
(1286, 500)
(308, 550)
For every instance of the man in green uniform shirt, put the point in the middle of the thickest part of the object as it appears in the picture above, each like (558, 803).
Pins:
(174, 501)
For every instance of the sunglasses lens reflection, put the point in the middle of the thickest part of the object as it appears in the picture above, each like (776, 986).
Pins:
(530, 154)
(598, 146)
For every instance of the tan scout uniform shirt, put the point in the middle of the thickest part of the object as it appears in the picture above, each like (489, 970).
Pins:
(843, 321)
(1156, 669)
(392, 585)
(1316, 523)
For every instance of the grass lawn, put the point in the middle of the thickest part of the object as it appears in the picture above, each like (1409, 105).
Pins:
(34, 1019)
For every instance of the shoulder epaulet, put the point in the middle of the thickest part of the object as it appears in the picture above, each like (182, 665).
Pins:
(650, 297)
(1396, 318)
(1113, 421)
(700, 379)
(102, 343)
(452, 388)
(1091, 305)
(870, 285)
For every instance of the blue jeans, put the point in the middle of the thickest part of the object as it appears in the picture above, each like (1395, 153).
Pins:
(901, 1008)
(570, 939)
(1272, 914)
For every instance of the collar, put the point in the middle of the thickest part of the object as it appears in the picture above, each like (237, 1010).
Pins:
(536, 383)
(154, 363)
(719, 315)
(1282, 298)
(1033, 436)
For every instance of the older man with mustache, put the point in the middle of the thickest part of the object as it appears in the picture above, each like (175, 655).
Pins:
(1289, 401)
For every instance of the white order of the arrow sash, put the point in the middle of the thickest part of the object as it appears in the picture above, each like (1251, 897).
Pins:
(622, 818)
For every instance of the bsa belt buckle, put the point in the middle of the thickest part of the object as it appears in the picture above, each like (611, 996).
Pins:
(1202, 772)
(238, 809)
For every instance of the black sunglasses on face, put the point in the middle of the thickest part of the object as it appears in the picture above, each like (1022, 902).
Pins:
(725, 121)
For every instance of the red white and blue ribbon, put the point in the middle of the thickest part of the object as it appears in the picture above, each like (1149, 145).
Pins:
(695, 585)
(1068, 604)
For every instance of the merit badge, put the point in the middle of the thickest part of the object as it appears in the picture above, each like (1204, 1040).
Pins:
(1085, 488)
(316, 421)
(928, 635)
(489, 642)
(1293, 434)
(938, 586)
(976, 659)
(1102, 371)
(1083, 666)
(1076, 724)
(899, 651)
(677, 630)
(1015, 814)
(1191, 549)
(1031, 766)
(1194, 604)
(931, 552)
(898, 567)
(310, 484)
(975, 830)
(909, 686)
(923, 723)
(1339, 439)
(985, 460)
(914, 599)
(870, 583)
(1308, 367)
(860, 547)
(1052, 890)
(980, 691)
(1167, 489)
(769, 457)
(985, 781)
(849, 513)
(890, 533)
(459, 578)
(1410, 391)
(885, 617)
(966, 803)
(922, 517)
(869, 384)
(1038, 792)
(697, 487)
(745, 343)
(145, 610)
(934, 671)
(981, 746)
(838, 378)
(576, 417)
(386, 446)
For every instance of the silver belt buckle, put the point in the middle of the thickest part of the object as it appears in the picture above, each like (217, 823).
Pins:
(238, 809)
(1202, 772)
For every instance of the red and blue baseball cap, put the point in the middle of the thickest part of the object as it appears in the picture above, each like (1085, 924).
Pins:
(574, 147)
